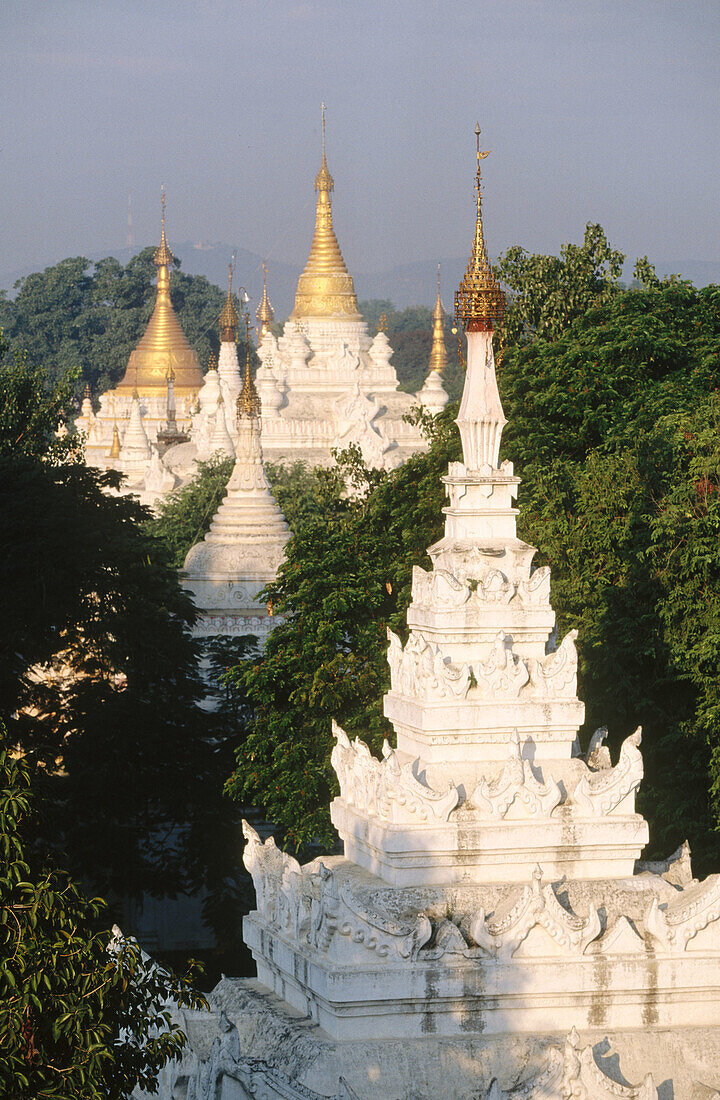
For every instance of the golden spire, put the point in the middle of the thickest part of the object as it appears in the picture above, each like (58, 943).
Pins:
(249, 406)
(229, 319)
(479, 301)
(264, 312)
(163, 343)
(163, 256)
(438, 352)
(383, 323)
(325, 287)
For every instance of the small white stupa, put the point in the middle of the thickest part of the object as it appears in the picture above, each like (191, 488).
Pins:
(245, 545)
(433, 396)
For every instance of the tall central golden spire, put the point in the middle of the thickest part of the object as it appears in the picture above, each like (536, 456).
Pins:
(325, 287)
(163, 346)
(438, 352)
(479, 301)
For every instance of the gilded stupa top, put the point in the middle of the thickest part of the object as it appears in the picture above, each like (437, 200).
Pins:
(163, 346)
(264, 312)
(438, 352)
(325, 288)
(249, 405)
(479, 300)
(229, 318)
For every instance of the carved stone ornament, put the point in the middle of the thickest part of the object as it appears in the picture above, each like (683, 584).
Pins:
(516, 782)
(601, 792)
(502, 933)
(309, 906)
(421, 671)
(255, 1078)
(573, 1074)
(504, 674)
(674, 924)
(555, 676)
(385, 788)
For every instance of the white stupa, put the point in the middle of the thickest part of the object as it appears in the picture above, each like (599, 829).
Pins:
(489, 932)
(245, 545)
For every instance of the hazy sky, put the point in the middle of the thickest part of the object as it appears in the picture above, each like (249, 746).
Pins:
(602, 110)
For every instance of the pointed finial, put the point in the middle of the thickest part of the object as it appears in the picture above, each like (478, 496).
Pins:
(115, 446)
(323, 180)
(383, 323)
(264, 312)
(248, 403)
(229, 315)
(163, 256)
(438, 351)
(87, 394)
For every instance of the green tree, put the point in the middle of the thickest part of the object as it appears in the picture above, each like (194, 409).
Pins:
(98, 671)
(547, 293)
(82, 1011)
(87, 319)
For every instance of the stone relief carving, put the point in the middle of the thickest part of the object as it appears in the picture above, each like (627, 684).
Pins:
(556, 674)
(385, 788)
(674, 924)
(502, 933)
(256, 1078)
(573, 1074)
(535, 591)
(601, 792)
(504, 674)
(516, 782)
(420, 670)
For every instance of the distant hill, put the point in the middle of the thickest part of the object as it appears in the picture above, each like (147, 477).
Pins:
(406, 285)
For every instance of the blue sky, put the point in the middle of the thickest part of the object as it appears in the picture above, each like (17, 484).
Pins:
(604, 111)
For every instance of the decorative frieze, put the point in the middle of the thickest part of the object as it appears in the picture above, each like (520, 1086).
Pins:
(500, 934)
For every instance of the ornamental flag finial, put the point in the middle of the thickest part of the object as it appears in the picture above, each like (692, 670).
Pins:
(479, 300)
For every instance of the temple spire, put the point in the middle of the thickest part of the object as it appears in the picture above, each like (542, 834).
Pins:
(438, 352)
(325, 287)
(479, 301)
(248, 403)
(228, 318)
(264, 312)
(479, 307)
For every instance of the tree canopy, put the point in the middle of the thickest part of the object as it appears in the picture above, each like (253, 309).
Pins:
(99, 679)
(82, 1010)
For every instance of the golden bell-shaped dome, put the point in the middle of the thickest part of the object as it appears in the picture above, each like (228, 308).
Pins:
(164, 345)
(325, 287)
(479, 300)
